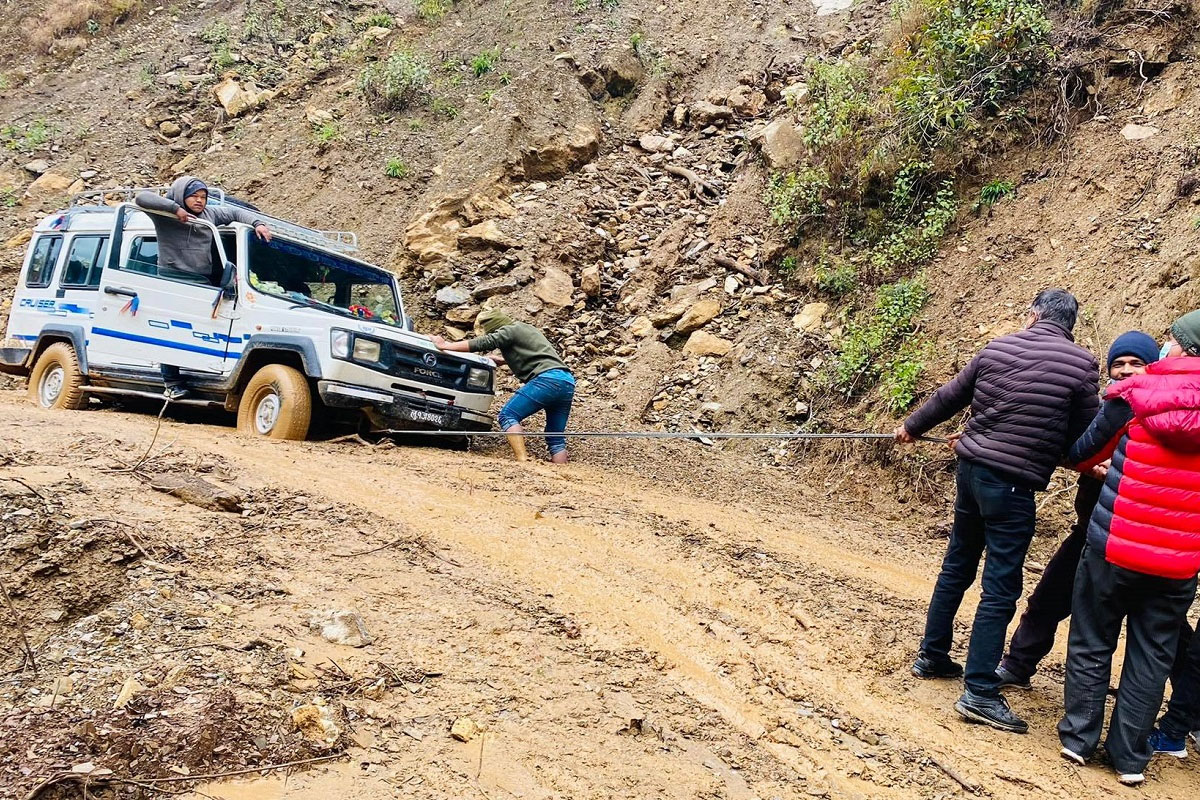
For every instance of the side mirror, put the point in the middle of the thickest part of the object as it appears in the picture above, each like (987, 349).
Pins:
(229, 280)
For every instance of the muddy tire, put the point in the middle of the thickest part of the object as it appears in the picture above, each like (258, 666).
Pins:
(56, 380)
(276, 404)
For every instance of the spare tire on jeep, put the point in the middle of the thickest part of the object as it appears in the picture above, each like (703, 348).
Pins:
(276, 404)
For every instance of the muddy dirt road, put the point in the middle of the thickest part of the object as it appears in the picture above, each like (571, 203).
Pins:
(654, 630)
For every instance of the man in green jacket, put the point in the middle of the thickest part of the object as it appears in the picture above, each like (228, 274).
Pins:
(549, 384)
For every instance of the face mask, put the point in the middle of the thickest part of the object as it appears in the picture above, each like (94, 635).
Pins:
(1166, 350)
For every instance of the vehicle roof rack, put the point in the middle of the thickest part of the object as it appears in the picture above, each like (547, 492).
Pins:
(344, 241)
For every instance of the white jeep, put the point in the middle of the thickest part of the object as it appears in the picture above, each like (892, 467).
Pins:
(286, 330)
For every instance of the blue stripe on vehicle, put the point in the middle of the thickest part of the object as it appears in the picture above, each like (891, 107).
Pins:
(155, 323)
(179, 324)
(191, 348)
(71, 308)
(25, 338)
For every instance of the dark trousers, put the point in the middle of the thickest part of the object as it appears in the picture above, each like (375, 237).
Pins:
(171, 376)
(991, 514)
(1050, 602)
(1183, 712)
(1152, 609)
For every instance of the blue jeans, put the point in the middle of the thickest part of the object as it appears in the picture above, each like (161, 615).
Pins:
(992, 514)
(551, 392)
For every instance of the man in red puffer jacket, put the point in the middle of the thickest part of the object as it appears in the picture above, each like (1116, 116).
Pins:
(1142, 553)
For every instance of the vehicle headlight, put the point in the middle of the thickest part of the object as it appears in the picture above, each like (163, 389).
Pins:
(339, 343)
(366, 349)
(479, 378)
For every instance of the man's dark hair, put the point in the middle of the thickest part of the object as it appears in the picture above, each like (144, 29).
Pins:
(1056, 305)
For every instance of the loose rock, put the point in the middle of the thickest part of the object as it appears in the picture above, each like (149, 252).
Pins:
(341, 627)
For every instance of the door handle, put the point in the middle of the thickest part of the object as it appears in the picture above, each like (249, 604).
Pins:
(119, 291)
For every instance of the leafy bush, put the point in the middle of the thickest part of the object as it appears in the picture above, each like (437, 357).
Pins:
(840, 101)
(901, 375)
(381, 20)
(396, 83)
(993, 192)
(910, 244)
(325, 133)
(794, 198)
(433, 10)
(396, 168)
(968, 56)
(789, 266)
(873, 336)
(445, 108)
(485, 62)
(25, 139)
(835, 276)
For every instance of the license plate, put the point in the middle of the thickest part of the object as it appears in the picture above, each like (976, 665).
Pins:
(427, 417)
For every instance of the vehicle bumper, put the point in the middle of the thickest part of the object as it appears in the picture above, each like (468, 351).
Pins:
(403, 412)
(13, 360)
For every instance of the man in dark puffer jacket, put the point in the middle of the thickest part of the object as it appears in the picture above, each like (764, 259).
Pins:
(1031, 394)
(1142, 554)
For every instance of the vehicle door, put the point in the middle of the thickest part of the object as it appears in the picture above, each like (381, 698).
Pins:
(35, 304)
(78, 283)
(145, 320)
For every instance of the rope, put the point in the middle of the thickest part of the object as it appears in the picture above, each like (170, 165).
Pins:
(662, 435)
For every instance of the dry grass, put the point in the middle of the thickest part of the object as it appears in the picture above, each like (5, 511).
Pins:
(71, 19)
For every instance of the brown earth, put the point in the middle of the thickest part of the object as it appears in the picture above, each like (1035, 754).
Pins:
(614, 631)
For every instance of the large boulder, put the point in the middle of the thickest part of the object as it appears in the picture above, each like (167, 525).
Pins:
(483, 236)
(492, 287)
(704, 113)
(698, 315)
(237, 98)
(781, 142)
(49, 184)
(705, 344)
(555, 288)
(459, 220)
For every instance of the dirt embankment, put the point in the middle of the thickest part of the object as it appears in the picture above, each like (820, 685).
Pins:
(607, 632)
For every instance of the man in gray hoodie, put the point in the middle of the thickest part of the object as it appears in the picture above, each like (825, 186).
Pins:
(184, 247)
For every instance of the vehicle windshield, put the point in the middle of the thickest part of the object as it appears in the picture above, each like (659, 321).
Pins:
(316, 279)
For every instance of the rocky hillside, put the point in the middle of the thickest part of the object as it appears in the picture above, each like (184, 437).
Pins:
(604, 168)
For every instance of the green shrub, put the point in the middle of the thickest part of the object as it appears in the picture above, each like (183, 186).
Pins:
(325, 133)
(505, 78)
(396, 168)
(396, 83)
(433, 10)
(910, 244)
(873, 337)
(788, 267)
(993, 192)
(445, 108)
(901, 375)
(25, 139)
(794, 198)
(381, 20)
(968, 56)
(485, 62)
(836, 277)
(9, 198)
(840, 101)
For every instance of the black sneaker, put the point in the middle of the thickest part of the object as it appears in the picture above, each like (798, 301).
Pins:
(926, 667)
(992, 711)
(1009, 679)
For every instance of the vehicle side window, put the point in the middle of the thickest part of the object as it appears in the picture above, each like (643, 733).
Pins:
(85, 261)
(143, 256)
(41, 264)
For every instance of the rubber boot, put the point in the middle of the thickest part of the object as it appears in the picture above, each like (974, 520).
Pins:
(517, 443)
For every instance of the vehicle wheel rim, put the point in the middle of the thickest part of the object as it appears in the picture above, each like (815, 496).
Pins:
(266, 414)
(52, 385)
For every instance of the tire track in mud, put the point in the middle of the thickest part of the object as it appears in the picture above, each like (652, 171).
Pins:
(796, 629)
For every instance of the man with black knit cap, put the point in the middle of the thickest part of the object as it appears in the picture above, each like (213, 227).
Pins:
(185, 249)
(1138, 568)
(1050, 602)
